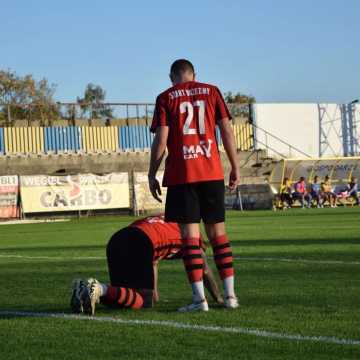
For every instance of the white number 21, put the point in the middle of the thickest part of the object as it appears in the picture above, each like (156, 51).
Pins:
(188, 107)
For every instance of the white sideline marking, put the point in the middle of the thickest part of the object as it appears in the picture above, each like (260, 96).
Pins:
(14, 256)
(306, 261)
(67, 258)
(179, 325)
(38, 221)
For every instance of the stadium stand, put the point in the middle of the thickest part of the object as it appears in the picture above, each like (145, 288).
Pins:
(93, 139)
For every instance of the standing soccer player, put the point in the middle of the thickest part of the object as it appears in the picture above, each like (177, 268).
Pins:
(184, 121)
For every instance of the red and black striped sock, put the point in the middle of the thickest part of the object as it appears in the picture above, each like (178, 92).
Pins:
(223, 256)
(123, 297)
(193, 261)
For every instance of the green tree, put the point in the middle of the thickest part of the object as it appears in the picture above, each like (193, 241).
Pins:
(239, 104)
(93, 103)
(43, 106)
(238, 98)
(22, 97)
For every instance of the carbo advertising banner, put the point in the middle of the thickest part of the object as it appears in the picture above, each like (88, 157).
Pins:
(42, 193)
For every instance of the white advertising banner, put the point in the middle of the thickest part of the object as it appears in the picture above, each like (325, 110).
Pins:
(9, 190)
(143, 200)
(42, 193)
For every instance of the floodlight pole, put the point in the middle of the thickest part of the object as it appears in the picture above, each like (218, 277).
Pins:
(349, 122)
(346, 127)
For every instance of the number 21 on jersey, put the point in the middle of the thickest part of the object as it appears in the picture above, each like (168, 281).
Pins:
(188, 107)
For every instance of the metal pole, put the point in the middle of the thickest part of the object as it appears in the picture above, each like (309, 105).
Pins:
(240, 198)
(73, 115)
(8, 114)
(91, 112)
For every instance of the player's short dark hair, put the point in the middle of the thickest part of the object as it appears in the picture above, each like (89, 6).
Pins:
(180, 66)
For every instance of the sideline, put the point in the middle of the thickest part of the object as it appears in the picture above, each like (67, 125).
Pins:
(180, 325)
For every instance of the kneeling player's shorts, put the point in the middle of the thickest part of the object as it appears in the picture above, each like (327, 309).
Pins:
(130, 259)
(189, 203)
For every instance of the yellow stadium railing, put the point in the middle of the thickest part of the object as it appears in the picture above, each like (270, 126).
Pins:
(24, 140)
(90, 139)
(243, 133)
(99, 138)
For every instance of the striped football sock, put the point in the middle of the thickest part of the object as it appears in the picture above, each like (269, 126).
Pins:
(223, 256)
(192, 259)
(122, 297)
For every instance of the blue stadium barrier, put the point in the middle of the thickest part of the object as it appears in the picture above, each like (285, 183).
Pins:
(135, 137)
(2, 141)
(62, 139)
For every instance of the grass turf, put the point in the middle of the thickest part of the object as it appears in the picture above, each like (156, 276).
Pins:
(317, 297)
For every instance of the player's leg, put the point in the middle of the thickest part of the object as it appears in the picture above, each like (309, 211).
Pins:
(332, 199)
(308, 200)
(182, 206)
(223, 258)
(194, 265)
(212, 200)
(130, 263)
(122, 297)
(354, 195)
(129, 255)
(302, 199)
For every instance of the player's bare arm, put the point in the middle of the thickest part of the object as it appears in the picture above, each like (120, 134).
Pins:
(156, 296)
(210, 282)
(227, 136)
(158, 149)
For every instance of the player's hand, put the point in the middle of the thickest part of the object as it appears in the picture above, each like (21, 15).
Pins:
(155, 188)
(156, 296)
(234, 178)
(219, 299)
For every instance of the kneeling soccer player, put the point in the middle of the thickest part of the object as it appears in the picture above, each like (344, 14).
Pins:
(132, 255)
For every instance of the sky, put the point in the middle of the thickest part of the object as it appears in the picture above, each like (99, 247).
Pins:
(275, 50)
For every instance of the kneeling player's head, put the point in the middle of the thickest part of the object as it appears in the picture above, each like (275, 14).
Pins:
(182, 70)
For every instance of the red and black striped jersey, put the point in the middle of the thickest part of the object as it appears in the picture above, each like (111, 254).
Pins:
(191, 110)
(165, 236)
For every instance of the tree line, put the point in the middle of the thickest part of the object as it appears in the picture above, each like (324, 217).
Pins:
(25, 98)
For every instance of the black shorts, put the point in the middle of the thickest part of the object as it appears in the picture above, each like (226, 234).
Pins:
(130, 259)
(191, 203)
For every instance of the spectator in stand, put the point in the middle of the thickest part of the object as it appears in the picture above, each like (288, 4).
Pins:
(285, 193)
(315, 191)
(353, 189)
(327, 192)
(301, 193)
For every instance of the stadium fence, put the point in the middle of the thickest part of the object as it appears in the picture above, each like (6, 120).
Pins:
(94, 139)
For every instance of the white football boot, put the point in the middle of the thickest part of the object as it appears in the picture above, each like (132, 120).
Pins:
(78, 291)
(92, 297)
(195, 306)
(231, 302)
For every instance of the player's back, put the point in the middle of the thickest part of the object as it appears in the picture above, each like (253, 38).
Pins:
(165, 236)
(191, 110)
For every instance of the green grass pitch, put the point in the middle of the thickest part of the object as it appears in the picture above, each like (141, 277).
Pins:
(298, 273)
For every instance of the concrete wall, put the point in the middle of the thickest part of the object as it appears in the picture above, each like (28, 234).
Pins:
(299, 125)
(116, 162)
(296, 124)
